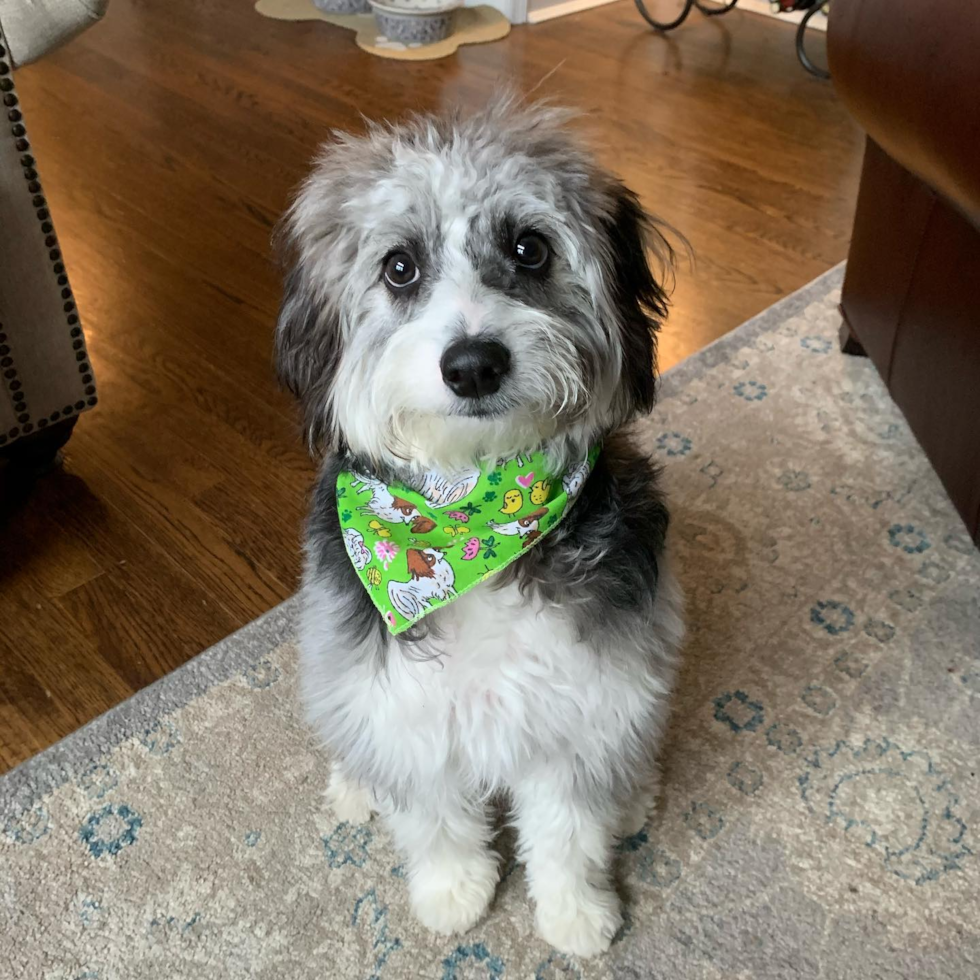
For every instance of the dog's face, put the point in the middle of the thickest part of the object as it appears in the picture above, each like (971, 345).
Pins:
(466, 288)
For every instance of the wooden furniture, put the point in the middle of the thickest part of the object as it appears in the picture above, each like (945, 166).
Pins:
(910, 73)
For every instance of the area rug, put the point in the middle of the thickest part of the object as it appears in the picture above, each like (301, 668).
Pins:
(820, 798)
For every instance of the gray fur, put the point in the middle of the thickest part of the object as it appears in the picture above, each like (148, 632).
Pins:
(530, 173)
(582, 335)
(550, 679)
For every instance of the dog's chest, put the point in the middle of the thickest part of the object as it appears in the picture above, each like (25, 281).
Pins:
(512, 685)
(501, 652)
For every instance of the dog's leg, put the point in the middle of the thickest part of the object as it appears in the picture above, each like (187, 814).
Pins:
(635, 814)
(640, 806)
(349, 800)
(452, 873)
(566, 843)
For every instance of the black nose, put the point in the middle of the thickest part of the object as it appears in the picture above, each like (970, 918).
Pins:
(473, 368)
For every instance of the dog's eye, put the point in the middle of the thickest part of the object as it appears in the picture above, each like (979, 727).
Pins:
(401, 270)
(531, 251)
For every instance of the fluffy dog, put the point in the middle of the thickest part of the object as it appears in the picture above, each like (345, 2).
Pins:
(463, 290)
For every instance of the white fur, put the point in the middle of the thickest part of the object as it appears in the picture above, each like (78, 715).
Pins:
(383, 419)
(350, 801)
(503, 696)
(510, 701)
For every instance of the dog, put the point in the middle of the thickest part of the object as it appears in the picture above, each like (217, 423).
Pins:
(463, 290)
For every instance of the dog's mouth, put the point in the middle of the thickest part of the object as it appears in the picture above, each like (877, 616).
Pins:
(481, 409)
(491, 406)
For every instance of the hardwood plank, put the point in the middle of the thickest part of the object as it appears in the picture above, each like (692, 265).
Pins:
(169, 139)
(43, 646)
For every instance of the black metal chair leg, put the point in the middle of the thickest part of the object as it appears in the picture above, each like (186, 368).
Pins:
(722, 8)
(801, 42)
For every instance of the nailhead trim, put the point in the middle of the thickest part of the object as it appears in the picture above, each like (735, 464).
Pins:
(22, 144)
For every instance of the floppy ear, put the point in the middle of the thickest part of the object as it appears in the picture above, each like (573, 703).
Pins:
(641, 302)
(307, 354)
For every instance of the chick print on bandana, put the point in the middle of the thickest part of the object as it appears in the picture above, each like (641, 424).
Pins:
(417, 550)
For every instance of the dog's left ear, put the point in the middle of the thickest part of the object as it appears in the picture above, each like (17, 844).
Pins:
(640, 300)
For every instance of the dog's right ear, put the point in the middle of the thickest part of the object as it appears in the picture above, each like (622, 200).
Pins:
(307, 354)
(640, 298)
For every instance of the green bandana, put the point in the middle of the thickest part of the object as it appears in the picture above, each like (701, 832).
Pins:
(418, 550)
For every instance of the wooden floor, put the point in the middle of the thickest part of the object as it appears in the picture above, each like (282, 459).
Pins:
(168, 139)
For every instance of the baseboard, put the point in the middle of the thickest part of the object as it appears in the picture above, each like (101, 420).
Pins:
(819, 21)
(514, 10)
(562, 8)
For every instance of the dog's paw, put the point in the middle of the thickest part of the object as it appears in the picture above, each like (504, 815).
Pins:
(584, 926)
(452, 897)
(349, 801)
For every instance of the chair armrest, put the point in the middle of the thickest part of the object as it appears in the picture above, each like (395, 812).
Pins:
(35, 27)
(46, 377)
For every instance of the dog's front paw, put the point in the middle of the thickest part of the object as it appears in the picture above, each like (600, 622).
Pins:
(452, 897)
(583, 925)
(349, 801)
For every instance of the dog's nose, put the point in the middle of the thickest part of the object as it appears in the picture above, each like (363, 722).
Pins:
(473, 368)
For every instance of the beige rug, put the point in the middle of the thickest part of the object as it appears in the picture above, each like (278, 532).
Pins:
(821, 793)
(472, 25)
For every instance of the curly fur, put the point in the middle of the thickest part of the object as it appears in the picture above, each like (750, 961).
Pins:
(550, 681)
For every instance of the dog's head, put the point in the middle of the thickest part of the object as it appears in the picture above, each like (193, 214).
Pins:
(467, 287)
